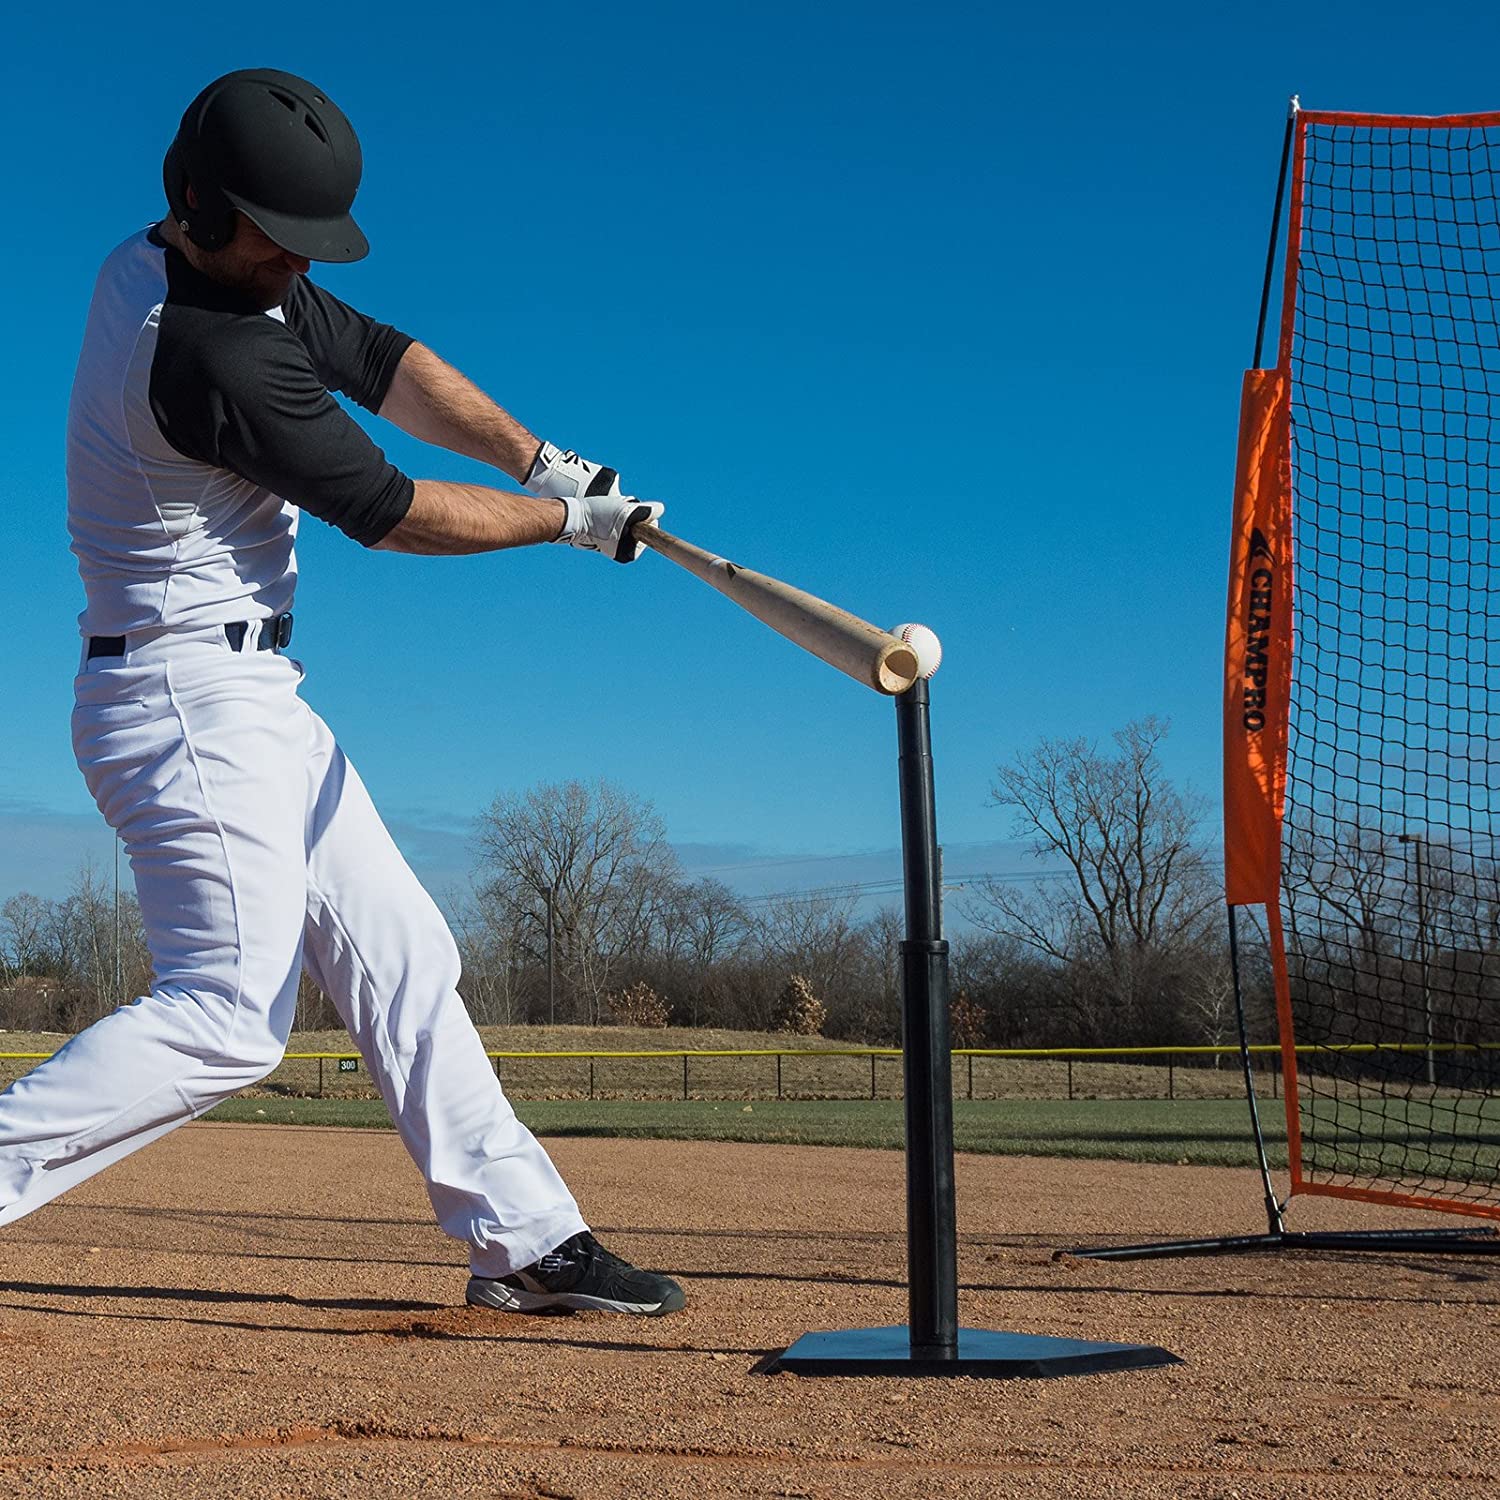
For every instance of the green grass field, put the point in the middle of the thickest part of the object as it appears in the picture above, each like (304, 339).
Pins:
(1019, 1106)
(807, 1069)
(1120, 1111)
(1199, 1131)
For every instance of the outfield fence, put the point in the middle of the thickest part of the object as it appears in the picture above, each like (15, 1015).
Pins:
(749, 1074)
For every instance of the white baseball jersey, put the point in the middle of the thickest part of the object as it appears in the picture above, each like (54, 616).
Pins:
(200, 426)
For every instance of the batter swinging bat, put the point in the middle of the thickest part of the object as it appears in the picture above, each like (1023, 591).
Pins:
(869, 655)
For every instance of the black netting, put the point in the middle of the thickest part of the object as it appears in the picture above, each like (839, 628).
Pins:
(1391, 899)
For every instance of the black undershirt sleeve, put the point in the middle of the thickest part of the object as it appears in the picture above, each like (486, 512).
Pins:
(352, 353)
(243, 393)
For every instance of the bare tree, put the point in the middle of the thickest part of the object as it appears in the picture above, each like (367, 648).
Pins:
(1130, 908)
(1210, 1006)
(1347, 876)
(1015, 987)
(81, 930)
(700, 931)
(314, 1010)
(494, 982)
(808, 934)
(586, 867)
(885, 931)
(1392, 933)
(814, 935)
(23, 925)
(713, 922)
(71, 944)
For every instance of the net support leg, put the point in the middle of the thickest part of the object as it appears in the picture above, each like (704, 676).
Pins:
(1478, 1241)
(1274, 1222)
(1482, 1241)
(1275, 1235)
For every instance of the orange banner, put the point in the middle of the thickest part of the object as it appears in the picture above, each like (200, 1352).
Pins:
(1258, 645)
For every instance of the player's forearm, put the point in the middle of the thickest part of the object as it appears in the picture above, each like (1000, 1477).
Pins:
(447, 520)
(434, 402)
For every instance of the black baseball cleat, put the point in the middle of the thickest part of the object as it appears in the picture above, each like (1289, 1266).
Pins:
(580, 1273)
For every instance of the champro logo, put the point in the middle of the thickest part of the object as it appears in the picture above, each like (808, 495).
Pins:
(1258, 632)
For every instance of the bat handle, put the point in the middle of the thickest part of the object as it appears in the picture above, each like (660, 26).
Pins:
(649, 534)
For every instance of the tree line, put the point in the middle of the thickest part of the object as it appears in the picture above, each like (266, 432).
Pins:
(1393, 935)
(580, 913)
(1114, 938)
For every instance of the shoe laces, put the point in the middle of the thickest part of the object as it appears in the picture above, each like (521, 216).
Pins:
(580, 1250)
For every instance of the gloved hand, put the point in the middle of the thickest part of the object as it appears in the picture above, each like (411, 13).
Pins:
(558, 474)
(601, 523)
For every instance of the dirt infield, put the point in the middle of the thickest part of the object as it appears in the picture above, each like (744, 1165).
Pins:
(268, 1312)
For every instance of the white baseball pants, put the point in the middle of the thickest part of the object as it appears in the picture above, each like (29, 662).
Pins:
(257, 851)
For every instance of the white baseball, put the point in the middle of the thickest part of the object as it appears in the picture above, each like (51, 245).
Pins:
(925, 643)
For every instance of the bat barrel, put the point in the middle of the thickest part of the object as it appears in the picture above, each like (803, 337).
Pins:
(858, 649)
(896, 668)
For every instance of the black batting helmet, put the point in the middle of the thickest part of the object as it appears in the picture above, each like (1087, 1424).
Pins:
(279, 150)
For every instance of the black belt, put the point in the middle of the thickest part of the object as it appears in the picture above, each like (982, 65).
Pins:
(275, 635)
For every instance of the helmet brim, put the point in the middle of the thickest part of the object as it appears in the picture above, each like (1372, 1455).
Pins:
(337, 240)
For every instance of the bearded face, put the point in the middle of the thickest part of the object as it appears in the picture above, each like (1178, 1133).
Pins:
(252, 264)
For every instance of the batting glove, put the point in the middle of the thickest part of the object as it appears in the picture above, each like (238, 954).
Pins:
(601, 523)
(559, 474)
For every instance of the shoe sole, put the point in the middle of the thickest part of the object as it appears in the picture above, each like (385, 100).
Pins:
(496, 1294)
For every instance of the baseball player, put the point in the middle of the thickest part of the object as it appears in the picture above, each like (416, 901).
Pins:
(201, 429)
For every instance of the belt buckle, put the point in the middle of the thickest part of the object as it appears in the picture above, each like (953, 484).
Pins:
(283, 636)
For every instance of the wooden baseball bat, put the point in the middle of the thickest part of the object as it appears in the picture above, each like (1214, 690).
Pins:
(866, 653)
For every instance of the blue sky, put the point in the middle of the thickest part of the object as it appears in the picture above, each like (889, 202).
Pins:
(939, 312)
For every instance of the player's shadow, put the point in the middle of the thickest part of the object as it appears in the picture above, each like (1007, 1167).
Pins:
(814, 1276)
(831, 1235)
(199, 1214)
(215, 1295)
(545, 1326)
(825, 1277)
(764, 1232)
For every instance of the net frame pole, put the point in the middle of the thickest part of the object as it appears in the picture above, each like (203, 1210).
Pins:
(1274, 1222)
(1265, 290)
(1292, 251)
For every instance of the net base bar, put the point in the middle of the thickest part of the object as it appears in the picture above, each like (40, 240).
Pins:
(1427, 1241)
(1301, 1186)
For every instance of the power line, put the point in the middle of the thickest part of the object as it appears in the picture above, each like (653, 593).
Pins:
(812, 859)
(894, 883)
(794, 859)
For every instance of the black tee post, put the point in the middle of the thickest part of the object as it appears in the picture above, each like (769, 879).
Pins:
(931, 1223)
(931, 1342)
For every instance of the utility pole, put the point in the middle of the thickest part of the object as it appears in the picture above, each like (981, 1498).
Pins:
(551, 962)
(1415, 840)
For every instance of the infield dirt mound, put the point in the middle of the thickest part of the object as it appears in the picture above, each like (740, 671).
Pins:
(246, 1310)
